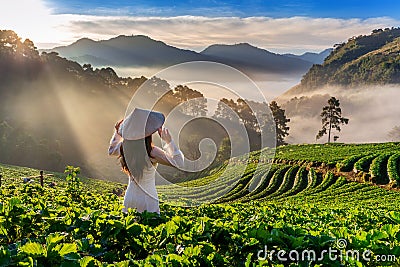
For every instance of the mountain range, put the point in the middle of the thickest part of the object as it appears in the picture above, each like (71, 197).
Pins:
(142, 51)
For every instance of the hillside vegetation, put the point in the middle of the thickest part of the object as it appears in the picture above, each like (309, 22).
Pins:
(304, 203)
(363, 60)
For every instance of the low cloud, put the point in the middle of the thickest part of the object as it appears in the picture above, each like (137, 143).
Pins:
(372, 111)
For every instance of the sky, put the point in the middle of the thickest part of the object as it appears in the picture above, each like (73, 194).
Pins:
(248, 8)
(279, 26)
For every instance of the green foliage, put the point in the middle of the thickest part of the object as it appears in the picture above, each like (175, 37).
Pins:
(393, 168)
(74, 183)
(293, 208)
(347, 164)
(313, 179)
(331, 154)
(378, 169)
(362, 60)
(362, 165)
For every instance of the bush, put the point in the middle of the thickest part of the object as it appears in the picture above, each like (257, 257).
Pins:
(394, 168)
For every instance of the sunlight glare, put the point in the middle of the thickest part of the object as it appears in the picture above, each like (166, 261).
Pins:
(32, 19)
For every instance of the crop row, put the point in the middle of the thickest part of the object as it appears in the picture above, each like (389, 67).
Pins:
(383, 168)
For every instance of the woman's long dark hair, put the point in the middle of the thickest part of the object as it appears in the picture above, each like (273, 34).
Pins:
(137, 153)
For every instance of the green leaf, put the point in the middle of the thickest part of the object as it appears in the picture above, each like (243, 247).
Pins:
(377, 235)
(122, 264)
(14, 201)
(5, 257)
(248, 260)
(67, 248)
(171, 227)
(84, 262)
(3, 230)
(72, 257)
(175, 259)
(52, 240)
(33, 249)
(134, 229)
(395, 216)
(170, 248)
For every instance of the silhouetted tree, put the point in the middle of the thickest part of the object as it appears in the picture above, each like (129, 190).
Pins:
(331, 118)
(257, 120)
(282, 130)
(194, 102)
(225, 108)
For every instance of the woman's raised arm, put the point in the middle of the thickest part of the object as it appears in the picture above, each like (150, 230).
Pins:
(115, 142)
(171, 155)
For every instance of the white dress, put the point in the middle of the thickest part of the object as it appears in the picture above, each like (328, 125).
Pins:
(142, 194)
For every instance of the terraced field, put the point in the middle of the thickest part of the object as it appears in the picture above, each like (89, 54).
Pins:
(310, 198)
(320, 166)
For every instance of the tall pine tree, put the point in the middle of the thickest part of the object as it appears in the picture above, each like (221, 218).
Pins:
(282, 130)
(331, 118)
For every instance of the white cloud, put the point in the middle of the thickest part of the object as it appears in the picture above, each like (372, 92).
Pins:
(296, 34)
(35, 20)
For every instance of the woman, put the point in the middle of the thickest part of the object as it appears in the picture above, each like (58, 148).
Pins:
(132, 143)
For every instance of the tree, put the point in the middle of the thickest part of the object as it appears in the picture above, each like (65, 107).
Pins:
(29, 49)
(331, 118)
(231, 110)
(282, 130)
(225, 108)
(194, 102)
(224, 150)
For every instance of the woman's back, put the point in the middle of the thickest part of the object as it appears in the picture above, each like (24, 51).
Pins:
(141, 192)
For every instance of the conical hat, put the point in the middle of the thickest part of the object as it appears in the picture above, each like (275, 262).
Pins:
(141, 123)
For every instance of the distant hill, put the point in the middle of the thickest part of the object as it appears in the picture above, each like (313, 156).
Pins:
(315, 58)
(131, 51)
(364, 60)
(247, 56)
(126, 51)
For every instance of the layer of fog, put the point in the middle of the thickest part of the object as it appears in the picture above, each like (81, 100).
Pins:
(271, 85)
(373, 112)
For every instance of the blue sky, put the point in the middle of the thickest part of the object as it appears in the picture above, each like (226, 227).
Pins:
(272, 8)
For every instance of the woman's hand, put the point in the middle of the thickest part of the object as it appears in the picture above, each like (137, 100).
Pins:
(117, 125)
(165, 135)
